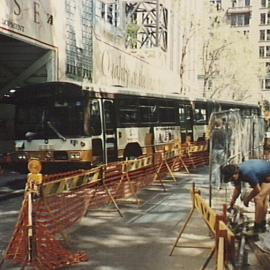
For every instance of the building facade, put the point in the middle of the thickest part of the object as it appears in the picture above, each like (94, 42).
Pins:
(252, 17)
(90, 42)
(145, 45)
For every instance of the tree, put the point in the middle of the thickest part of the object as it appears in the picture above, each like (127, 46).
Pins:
(189, 25)
(239, 70)
(187, 35)
(230, 67)
(214, 42)
(210, 57)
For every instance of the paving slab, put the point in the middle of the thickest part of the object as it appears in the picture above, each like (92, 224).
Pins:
(144, 237)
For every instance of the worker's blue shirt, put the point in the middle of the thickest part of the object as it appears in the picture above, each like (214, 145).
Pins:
(254, 171)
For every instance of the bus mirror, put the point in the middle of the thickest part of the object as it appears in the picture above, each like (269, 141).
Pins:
(30, 135)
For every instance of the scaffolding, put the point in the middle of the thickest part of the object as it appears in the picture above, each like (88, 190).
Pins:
(147, 24)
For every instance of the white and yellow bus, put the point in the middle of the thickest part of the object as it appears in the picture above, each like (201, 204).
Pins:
(68, 127)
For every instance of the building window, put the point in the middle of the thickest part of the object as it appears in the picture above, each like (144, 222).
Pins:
(233, 20)
(246, 19)
(262, 35)
(261, 52)
(267, 67)
(265, 3)
(240, 3)
(267, 84)
(109, 12)
(268, 18)
(268, 34)
(263, 18)
(240, 20)
(267, 52)
(265, 35)
(102, 10)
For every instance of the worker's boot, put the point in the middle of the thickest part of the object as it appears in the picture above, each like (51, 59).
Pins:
(263, 226)
(255, 230)
(257, 227)
(260, 227)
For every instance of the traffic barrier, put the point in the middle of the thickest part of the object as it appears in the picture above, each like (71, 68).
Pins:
(197, 154)
(133, 165)
(102, 192)
(223, 231)
(141, 177)
(217, 227)
(54, 203)
(165, 160)
(34, 241)
(220, 254)
(209, 215)
(69, 182)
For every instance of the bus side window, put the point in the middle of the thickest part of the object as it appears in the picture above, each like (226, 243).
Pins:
(128, 111)
(148, 114)
(182, 114)
(95, 121)
(200, 116)
(245, 112)
(167, 115)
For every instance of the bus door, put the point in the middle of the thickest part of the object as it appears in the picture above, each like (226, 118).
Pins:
(95, 130)
(109, 128)
(200, 125)
(185, 118)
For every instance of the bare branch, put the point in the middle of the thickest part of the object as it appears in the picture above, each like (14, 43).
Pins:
(186, 38)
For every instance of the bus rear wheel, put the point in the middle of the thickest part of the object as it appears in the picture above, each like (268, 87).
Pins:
(132, 151)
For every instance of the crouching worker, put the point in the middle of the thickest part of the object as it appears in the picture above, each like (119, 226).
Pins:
(256, 173)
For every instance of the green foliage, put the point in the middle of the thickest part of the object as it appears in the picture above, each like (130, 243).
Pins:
(230, 65)
(132, 31)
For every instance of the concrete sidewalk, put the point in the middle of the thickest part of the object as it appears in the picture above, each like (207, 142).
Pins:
(144, 237)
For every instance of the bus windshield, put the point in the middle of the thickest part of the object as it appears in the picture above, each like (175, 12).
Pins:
(55, 119)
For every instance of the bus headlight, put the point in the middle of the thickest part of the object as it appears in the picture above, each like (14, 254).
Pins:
(22, 157)
(75, 155)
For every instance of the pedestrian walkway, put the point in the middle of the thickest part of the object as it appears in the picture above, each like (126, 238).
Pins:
(144, 237)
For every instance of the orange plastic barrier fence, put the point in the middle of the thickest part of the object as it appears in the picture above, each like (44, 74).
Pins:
(45, 251)
(63, 199)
